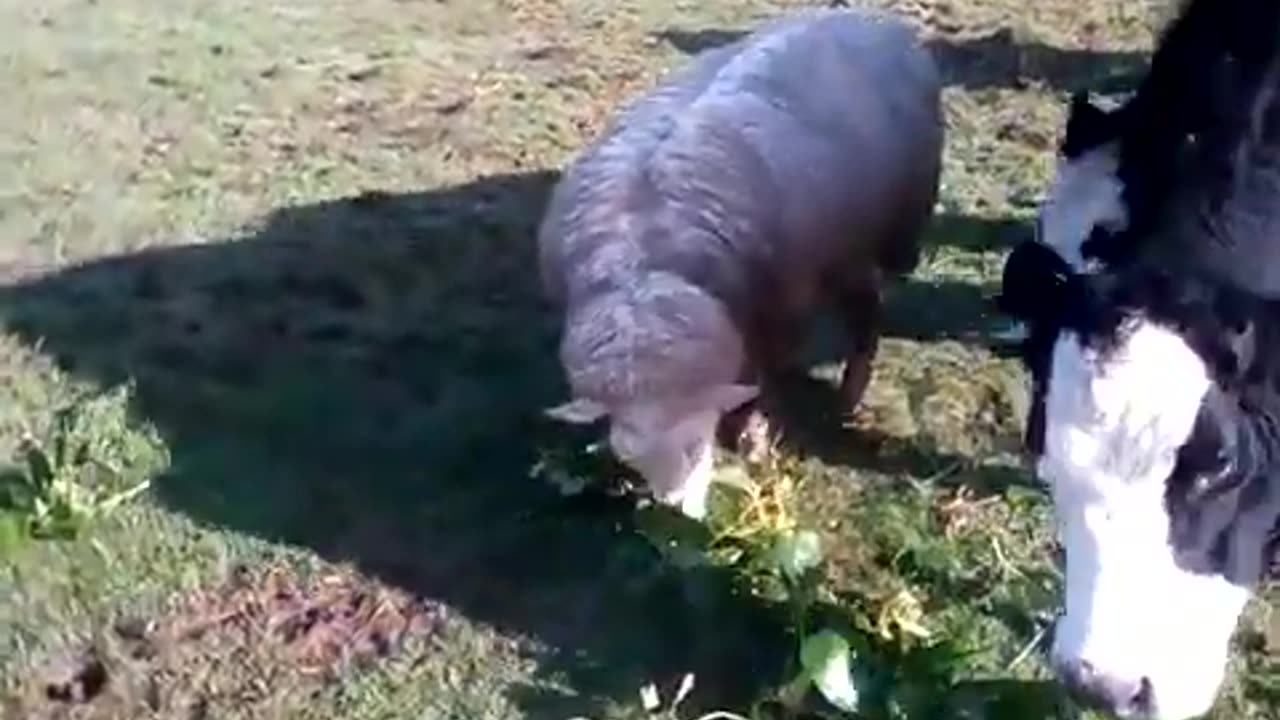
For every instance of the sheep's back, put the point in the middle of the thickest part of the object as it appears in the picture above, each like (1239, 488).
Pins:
(748, 168)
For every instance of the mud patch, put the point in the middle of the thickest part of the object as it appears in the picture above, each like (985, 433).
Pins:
(263, 639)
(79, 680)
(323, 625)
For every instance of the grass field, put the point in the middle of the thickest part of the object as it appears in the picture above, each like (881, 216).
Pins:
(277, 258)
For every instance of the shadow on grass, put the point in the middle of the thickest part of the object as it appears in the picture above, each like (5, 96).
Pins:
(814, 419)
(999, 60)
(363, 377)
(976, 234)
(943, 310)
(927, 310)
(995, 60)
(919, 310)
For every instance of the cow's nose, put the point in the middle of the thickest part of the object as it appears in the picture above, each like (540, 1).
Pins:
(1121, 696)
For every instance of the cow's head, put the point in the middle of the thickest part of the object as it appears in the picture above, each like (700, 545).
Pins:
(1155, 428)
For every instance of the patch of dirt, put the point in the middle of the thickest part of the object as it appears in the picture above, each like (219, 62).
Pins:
(78, 680)
(265, 635)
(323, 625)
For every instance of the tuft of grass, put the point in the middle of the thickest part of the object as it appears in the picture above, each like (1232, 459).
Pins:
(86, 461)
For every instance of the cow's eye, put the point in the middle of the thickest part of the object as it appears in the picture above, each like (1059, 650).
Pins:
(1216, 480)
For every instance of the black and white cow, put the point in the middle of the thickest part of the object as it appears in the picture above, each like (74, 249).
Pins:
(1157, 376)
(1117, 167)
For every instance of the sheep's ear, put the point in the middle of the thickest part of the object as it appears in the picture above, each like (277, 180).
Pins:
(579, 411)
(730, 397)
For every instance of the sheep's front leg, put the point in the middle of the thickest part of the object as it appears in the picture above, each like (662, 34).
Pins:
(693, 502)
(749, 433)
(747, 430)
(862, 313)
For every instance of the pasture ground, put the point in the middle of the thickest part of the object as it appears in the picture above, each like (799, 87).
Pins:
(277, 257)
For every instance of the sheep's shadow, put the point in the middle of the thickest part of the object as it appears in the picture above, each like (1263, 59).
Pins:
(995, 60)
(953, 309)
(364, 377)
(919, 310)
(1000, 60)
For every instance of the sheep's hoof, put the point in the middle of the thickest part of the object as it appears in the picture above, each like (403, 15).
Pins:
(856, 378)
(1011, 333)
(755, 440)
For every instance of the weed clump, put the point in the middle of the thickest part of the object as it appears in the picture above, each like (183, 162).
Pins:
(86, 461)
(877, 655)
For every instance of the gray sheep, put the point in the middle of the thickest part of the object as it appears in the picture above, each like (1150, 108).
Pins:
(690, 245)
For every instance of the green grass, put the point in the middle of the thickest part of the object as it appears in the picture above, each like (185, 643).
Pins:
(300, 234)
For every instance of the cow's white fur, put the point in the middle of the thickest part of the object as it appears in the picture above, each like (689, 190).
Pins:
(1114, 426)
(1085, 194)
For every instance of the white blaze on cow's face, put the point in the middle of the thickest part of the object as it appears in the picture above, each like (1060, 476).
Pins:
(1141, 635)
(1086, 193)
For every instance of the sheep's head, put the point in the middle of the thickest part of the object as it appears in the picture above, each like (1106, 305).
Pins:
(668, 440)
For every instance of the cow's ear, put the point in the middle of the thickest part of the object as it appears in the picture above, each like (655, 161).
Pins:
(579, 411)
(1036, 283)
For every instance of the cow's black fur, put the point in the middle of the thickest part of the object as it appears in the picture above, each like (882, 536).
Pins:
(1187, 117)
(1211, 51)
(1223, 497)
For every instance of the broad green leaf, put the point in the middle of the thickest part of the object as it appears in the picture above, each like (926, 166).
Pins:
(682, 540)
(825, 657)
(12, 532)
(649, 697)
(732, 476)
(797, 551)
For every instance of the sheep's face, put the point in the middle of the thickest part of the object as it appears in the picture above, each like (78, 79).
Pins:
(670, 449)
(668, 441)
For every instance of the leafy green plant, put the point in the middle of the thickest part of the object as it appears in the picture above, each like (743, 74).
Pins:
(755, 533)
(825, 661)
(573, 471)
(875, 656)
(85, 463)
